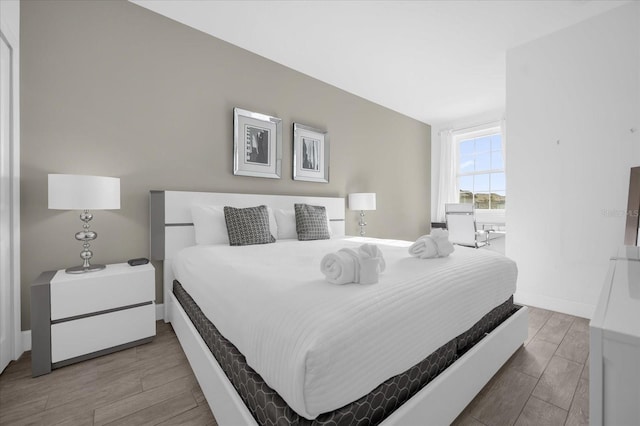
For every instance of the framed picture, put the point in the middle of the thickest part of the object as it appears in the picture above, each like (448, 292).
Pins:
(257, 144)
(310, 154)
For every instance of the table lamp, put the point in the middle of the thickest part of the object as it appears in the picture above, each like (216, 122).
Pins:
(362, 201)
(80, 192)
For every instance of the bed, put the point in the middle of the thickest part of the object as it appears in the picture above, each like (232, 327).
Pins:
(451, 371)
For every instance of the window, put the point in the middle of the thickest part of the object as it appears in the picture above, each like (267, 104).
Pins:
(480, 169)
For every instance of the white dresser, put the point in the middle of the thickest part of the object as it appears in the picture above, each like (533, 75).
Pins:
(81, 316)
(614, 369)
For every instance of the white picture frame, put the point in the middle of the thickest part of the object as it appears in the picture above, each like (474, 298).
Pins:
(310, 154)
(257, 144)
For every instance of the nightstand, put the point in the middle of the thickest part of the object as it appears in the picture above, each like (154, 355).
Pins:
(75, 317)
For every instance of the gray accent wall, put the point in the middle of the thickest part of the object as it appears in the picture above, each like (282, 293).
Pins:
(113, 89)
(156, 223)
(41, 324)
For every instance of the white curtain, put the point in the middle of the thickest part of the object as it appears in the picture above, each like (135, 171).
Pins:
(503, 132)
(447, 182)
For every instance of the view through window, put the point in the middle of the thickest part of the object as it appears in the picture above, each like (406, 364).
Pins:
(480, 171)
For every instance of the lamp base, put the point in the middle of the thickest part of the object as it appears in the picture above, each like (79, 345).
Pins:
(85, 254)
(362, 223)
(82, 269)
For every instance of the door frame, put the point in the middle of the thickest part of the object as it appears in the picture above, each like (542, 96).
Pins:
(9, 32)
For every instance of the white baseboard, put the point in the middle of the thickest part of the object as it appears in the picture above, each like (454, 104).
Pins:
(553, 304)
(26, 335)
(26, 340)
(159, 311)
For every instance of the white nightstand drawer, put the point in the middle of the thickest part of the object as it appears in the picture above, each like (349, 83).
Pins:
(116, 286)
(83, 336)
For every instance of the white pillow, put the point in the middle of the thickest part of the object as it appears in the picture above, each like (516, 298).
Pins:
(286, 221)
(273, 224)
(211, 226)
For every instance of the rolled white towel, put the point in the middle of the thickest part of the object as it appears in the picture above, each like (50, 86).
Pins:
(424, 248)
(436, 244)
(441, 237)
(342, 267)
(371, 263)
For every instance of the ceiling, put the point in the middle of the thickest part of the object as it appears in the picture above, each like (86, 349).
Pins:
(435, 61)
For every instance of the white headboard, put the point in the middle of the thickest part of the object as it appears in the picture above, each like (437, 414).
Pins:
(171, 225)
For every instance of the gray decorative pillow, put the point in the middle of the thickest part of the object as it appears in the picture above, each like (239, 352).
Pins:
(311, 222)
(248, 226)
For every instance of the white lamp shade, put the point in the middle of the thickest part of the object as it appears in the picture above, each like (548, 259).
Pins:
(81, 192)
(362, 201)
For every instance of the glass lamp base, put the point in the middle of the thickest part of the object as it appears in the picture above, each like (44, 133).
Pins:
(82, 269)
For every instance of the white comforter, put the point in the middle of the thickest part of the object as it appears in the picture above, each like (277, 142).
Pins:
(321, 346)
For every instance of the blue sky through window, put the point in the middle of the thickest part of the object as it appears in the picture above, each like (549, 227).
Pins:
(481, 177)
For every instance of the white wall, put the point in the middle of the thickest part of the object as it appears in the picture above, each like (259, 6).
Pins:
(573, 98)
(10, 12)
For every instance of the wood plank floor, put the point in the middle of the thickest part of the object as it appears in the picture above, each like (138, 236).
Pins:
(150, 384)
(546, 382)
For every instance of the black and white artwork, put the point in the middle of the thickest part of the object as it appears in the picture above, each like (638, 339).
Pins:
(310, 154)
(257, 144)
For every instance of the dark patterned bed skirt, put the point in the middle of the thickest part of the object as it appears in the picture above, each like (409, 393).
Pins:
(268, 408)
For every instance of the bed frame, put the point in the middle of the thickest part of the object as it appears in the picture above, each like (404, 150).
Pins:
(441, 401)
